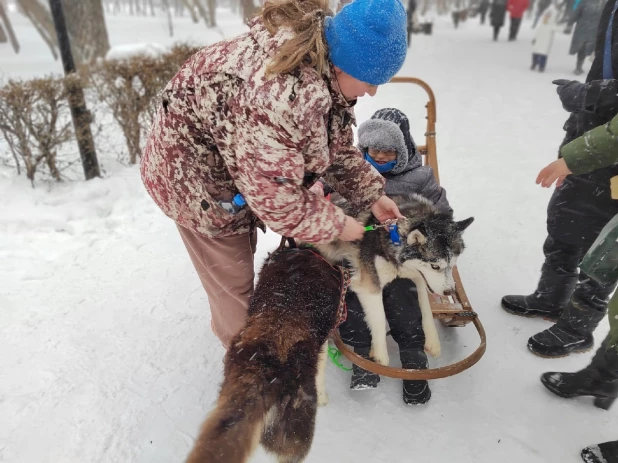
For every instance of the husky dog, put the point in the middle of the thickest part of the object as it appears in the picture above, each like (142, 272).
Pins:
(274, 369)
(430, 243)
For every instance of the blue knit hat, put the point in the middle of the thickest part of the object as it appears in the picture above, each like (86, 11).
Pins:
(367, 39)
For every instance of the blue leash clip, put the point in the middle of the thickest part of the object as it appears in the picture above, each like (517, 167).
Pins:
(393, 232)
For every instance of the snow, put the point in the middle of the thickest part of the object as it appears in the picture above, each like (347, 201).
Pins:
(152, 50)
(106, 348)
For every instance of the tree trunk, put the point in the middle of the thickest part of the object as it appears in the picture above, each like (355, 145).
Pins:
(4, 18)
(212, 12)
(87, 29)
(41, 18)
(202, 12)
(189, 6)
(168, 12)
(248, 10)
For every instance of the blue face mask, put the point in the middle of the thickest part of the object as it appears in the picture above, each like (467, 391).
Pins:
(382, 168)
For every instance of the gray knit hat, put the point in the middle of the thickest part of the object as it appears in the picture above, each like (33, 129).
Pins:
(388, 130)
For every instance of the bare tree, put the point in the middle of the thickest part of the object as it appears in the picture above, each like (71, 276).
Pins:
(168, 12)
(248, 9)
(189, 6)
(41, 19)
(4, 18)
(212, 12)
(87, 29)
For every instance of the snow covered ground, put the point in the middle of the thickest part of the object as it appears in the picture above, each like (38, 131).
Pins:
(106, 353)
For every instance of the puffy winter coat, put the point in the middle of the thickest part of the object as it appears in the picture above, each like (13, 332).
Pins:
(517, 8)
(582, 206)
(497, 13)
(587, 16)
(548, 25)
(225, 126)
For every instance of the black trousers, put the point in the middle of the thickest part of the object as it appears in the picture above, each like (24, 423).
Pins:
(564, 259)
(497, 32)
(514, 30)
(605, 361)
(403, 314)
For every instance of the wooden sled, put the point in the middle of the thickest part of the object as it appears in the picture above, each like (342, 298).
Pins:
(452, 311)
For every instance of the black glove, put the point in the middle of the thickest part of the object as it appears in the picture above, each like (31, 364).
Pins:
(572, 94)
(586, 97)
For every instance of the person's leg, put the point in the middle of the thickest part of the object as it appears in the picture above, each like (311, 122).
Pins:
(536, 19)
(514, 28)
(558, 279)
(601, 453)
(496, 32)
(542, 62)
(404, 317)
(599, 379)
(355, 332)
(581, 56)
(225, 268)
(517, 26)
(582, 315)
(535, 61)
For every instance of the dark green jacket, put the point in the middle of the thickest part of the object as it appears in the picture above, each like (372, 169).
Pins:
(594, 150)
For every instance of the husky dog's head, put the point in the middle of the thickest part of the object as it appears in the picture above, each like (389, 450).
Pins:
(431, 242)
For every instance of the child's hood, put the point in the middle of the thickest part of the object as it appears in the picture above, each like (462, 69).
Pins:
(389, 130)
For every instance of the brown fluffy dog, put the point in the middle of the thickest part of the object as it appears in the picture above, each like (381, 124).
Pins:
(273, 379)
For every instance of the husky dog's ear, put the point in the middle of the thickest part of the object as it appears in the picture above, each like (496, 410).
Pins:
(416, 237)
(461, 226)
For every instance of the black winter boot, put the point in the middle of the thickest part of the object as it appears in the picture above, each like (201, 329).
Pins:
(415, 392)
(587, 382)
(573, 331)
(551, 296)
(363, 379)
(602, 453)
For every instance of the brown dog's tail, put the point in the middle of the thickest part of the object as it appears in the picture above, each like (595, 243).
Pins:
(232, 431)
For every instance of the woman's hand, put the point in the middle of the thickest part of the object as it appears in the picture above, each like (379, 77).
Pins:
(385, 208)
(352, 230)
(555, 172)
(317, 189)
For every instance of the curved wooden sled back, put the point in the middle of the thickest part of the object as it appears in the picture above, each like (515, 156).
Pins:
(456, 310)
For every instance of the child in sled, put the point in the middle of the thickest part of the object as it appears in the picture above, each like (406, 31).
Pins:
(387, 145)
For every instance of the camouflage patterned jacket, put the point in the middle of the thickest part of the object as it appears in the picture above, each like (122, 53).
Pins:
(225, 127)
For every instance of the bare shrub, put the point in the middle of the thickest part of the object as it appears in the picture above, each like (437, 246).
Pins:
(35, 122)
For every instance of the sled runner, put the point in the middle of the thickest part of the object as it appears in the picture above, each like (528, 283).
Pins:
(452, 311)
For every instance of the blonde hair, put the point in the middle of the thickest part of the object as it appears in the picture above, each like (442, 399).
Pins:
(307, 46)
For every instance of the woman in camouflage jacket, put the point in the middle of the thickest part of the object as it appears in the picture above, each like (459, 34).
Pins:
(264, 115)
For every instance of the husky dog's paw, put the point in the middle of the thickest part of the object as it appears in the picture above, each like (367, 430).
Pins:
(380, 355)
(322, 399)
(432, 346)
